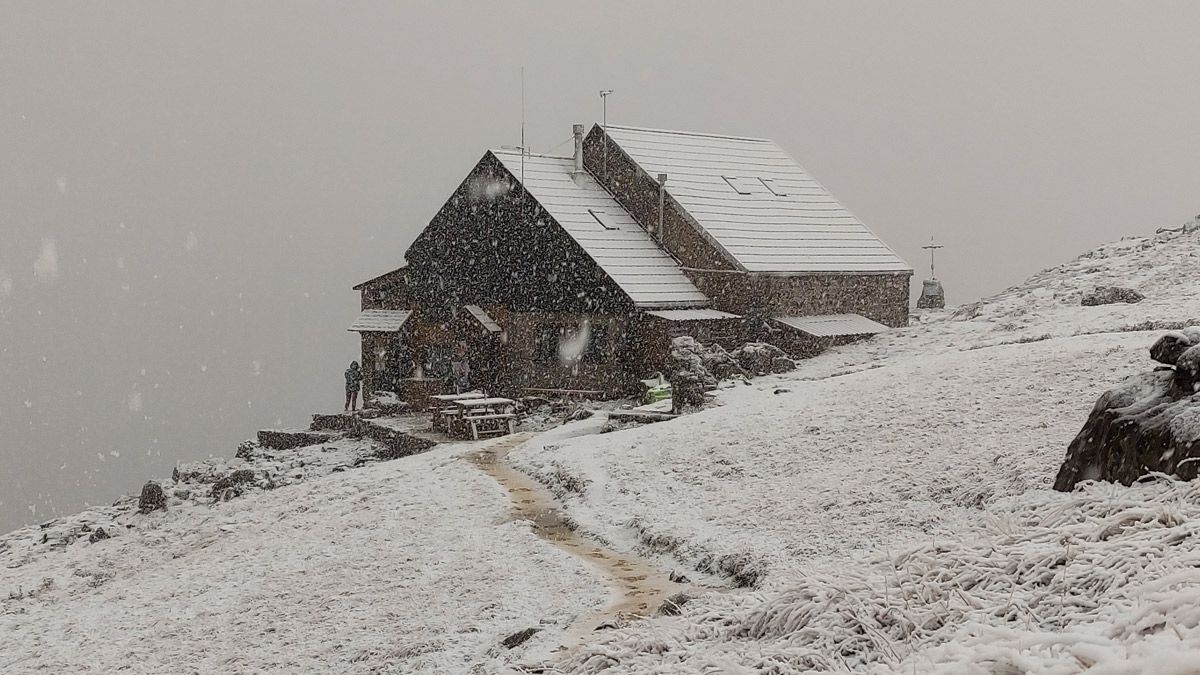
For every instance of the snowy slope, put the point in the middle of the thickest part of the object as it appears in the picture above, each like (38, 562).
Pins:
(914, 439)
(886, 505)
(411, 565)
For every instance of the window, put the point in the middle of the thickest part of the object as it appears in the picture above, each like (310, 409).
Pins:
(739, 185)
(774, 186)
(747, 185)
(604, 219)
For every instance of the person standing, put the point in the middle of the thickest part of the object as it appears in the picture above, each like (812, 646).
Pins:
(354, 379)
(460, 369)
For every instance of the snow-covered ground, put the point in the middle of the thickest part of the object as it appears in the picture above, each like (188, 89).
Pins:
(884, 508)
(411, 565)
(918, 438)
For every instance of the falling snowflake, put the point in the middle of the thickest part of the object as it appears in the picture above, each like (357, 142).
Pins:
(46, 265)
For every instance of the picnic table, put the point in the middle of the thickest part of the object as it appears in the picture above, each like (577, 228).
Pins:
(487, 416)
(442, 405)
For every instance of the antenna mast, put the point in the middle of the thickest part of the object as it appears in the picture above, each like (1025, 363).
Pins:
(522, 127)
(604, 126)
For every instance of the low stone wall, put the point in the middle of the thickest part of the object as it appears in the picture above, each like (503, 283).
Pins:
(286, 439)
(396, 443)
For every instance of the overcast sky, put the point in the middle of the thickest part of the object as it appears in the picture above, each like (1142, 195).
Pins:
(188, 190)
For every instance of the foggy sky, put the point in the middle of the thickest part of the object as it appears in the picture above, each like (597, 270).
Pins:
(188, 190)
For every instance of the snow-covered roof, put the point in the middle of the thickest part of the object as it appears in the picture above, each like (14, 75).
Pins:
(482, 317)
(394, 273)
(692, 314)
(832, 325)
(756, 204)
(380, 320)
(604, 230)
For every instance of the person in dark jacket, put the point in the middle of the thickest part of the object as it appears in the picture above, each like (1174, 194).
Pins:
(354, 379)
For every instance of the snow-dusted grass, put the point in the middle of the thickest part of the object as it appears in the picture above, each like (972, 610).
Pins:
(894, 450)
(1106, 578)
(838, 467)
(411, 564)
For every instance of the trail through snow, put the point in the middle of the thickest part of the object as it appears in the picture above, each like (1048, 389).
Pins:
(638, 586)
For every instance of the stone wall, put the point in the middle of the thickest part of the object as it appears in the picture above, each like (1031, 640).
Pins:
(605, 369)
(881, 297)
(637, 191)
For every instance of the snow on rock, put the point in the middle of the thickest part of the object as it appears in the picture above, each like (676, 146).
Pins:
(1144, 425)
(1107, 295)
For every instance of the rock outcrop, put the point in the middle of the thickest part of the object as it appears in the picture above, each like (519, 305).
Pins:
(152, 498)
(1149, 423)
(1108, 295)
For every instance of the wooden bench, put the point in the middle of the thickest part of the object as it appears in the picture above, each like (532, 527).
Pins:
(497, 424)
(442, 417)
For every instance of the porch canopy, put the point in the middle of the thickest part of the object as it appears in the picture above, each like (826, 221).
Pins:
(702, 314)
(832, 325)
(380, 320)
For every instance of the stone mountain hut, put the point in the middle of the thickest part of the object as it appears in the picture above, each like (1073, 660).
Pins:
(574, 273)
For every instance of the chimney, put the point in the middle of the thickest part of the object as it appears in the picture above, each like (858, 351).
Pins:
(662, 194)
(577, 129)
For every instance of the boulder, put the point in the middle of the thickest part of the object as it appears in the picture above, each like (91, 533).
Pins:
(231, 486)
(761, 358)
(152, 498)
(1149, 423)
(673, 605)
(98, 535)
(782, 364)
(519, 638)
(1108, 295)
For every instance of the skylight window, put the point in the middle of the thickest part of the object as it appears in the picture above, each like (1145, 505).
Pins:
(604, 219)
(774, 186)
(748, 185)
(742, 186)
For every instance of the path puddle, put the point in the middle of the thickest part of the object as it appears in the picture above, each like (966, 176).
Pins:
(640, 588)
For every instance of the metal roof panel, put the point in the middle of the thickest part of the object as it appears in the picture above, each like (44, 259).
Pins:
(761, 231)
(832, 325)
(380, 320)
(625, 251)
(692, 314)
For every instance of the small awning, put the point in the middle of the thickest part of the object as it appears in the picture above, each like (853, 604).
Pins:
(483, 318)
(692, 314)
(832, 325)
(380, 320)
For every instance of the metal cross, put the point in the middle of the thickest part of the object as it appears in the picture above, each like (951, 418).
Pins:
(932, 247)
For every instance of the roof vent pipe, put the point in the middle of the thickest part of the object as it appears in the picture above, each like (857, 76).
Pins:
(577, 130)
(662, 203)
